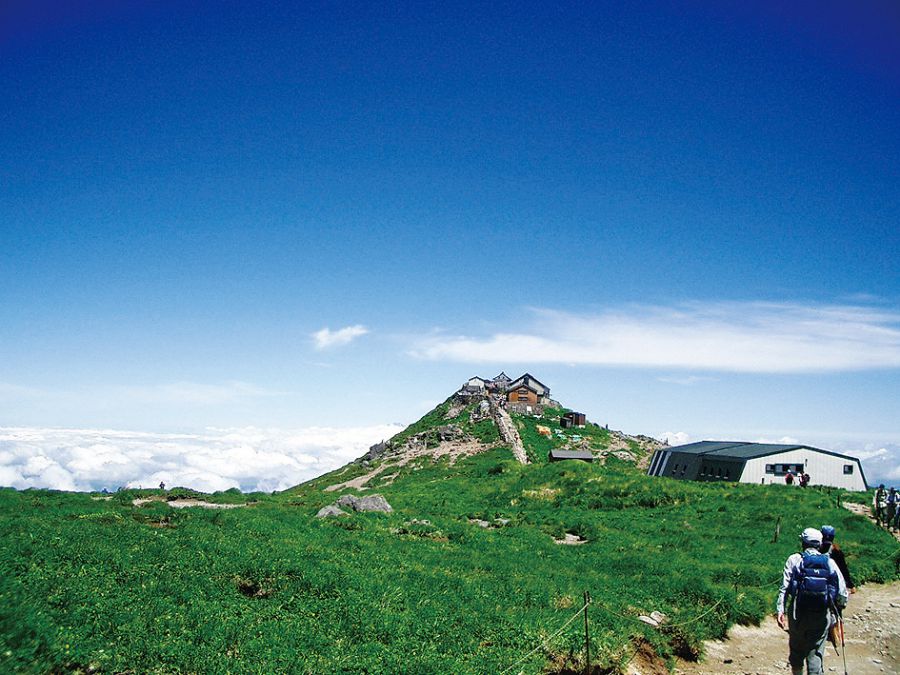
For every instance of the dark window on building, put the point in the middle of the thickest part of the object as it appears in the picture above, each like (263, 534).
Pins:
(770, 468)
(727, 473)
(799, 468)
(848, 469)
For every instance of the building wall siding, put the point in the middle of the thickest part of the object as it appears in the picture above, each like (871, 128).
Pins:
(522, 395)
(823, 469)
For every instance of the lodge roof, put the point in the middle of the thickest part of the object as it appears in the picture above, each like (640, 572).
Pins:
(745, 450)
(572, 454)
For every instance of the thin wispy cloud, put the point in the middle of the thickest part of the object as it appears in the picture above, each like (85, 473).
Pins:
(182, 392)
(685, 380)
(248, 458)
(327, 338)
(751, 337)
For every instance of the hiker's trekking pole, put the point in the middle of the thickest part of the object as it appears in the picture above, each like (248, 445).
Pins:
(840, 624)
(843, 649)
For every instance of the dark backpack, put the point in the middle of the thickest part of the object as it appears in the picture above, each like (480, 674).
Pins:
(814, 586)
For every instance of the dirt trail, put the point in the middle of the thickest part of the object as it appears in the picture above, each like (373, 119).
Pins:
(871, 635)
(453, 449)
(508, 432)
(863, 510)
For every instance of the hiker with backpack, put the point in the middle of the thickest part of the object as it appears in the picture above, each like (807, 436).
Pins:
(830, 547)
(893, 505)
(817, 591)
(879, 503)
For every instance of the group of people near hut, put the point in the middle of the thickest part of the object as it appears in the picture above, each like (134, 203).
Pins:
(802, 478)
(815, 587)
(886, 507)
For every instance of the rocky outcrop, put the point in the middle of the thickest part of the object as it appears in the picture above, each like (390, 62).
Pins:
(367, 503)
(330, 511)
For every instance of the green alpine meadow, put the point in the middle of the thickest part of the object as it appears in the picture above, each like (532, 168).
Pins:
(477, 564)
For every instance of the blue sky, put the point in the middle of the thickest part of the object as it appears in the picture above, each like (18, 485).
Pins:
(683, 219)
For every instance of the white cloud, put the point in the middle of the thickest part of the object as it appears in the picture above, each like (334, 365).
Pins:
(248, 458)
(726, 336)
(675, 437)
(182, 392)
(326, 338)
(685, 380)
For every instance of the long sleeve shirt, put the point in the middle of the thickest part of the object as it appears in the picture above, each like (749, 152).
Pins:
(792, 564)
(838, 556)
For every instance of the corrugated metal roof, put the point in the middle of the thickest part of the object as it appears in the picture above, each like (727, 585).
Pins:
(744, 450)
(572, 454)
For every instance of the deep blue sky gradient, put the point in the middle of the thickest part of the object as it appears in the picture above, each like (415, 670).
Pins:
(189, 192)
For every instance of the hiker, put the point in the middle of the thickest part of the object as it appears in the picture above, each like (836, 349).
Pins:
(816, 588)
(804, 479)
(830, 547)
(789, 478)
(892, 502)
(879, 502)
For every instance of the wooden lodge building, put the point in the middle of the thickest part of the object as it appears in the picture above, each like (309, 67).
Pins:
(525, 394)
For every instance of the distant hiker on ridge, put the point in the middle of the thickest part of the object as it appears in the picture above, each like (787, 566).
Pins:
(893, 502)
(879, 502)
(813, 582)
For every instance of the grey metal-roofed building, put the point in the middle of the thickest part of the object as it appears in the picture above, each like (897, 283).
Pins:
(583, 455)
(756, 463)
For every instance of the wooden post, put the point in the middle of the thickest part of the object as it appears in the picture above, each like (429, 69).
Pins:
(777, 530)
(587, 634)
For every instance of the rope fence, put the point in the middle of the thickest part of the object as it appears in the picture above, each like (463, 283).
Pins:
(546, 640)
(583, 609)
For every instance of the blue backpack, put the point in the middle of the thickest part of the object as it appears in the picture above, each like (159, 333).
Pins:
(814, 585)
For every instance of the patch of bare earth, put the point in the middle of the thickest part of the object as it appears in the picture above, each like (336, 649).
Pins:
(570, 539)
(452, 449)
(871, 637)
(185, 503)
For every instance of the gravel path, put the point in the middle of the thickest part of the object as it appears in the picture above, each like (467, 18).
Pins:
(871, 635)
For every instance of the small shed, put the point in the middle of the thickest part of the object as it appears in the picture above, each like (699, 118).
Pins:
(573, 419)
(559, 455)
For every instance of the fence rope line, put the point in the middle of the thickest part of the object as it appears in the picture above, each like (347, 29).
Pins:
(547, 639)
(622, 616)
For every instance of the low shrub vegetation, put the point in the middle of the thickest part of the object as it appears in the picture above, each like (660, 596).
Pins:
(108, 586)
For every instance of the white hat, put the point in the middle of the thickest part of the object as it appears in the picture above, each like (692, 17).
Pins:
(811, 537)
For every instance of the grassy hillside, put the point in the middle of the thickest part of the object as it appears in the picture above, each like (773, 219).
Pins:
(104, 585)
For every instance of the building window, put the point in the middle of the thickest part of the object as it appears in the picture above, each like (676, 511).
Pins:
(770, 468)
(848, 469)
(718, 472)
(727, 473)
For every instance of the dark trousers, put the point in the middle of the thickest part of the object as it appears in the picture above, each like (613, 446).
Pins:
(807, 641)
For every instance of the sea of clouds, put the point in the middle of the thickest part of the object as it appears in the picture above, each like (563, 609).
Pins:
(247, 458)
